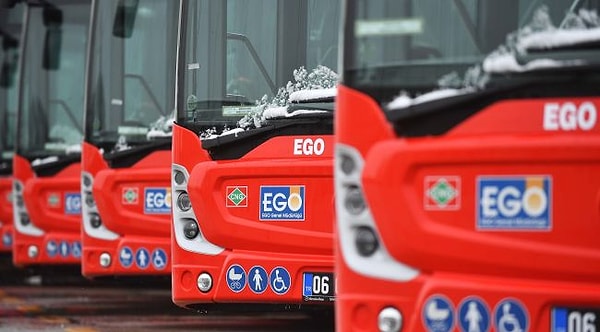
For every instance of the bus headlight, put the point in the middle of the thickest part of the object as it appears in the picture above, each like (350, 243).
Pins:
(95, 220)
(183, 202)
(191, 229)
(354, 201)
(204, 282)
(366, 241)
(24, 219)
(389, 320)
(179, 177)
(105, 259)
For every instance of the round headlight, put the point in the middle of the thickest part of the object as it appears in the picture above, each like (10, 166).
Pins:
(183, 202)
(366, 241)
(347, 164)
(354, 201)
(24, 219)
(191, 229)
(179, 177)
(389, 320)
(95, 220)
(89, 200)
(204, 282)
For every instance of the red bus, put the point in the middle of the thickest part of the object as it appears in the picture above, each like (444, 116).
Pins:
(252, 152)
(466, 166)
(126, 157)
(10, 34)
(46, 164)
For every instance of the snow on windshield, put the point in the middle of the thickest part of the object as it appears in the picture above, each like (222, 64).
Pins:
(539, 34)
(163, 127)
(319, 84)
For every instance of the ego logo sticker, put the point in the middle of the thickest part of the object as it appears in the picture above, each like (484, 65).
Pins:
(157, 200)
(282, 203)
(514, 203)
(73, 203)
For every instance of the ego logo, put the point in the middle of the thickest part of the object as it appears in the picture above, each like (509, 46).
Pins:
(568, 116)
(72, 203)
(282, 203)
(157, 200)
(514, 203)
(308, 147)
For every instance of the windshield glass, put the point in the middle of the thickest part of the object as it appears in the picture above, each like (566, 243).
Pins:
(132, 72)
(237, 53)
(417, 46)
(10, 33)
(51, 98)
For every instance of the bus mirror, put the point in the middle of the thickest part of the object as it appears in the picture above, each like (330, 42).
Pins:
(8, 3)
(52, 46)
(9, 64)
(125, 18)
(52, 17)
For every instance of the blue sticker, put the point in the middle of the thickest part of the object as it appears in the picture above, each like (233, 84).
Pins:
(258, 279)
(65, 248)
(142, 258)
(73, 203)
(514, 203)
(511, 315)
(282, 203)
(159, 259)
(76, 249)
(280, 280)
(51, 248)
(473, 315)
(7, 239)
(236, 278)
(157, 200)
(438, 314)
(126, 257)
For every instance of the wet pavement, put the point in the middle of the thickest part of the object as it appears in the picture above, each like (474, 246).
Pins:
(88, 306)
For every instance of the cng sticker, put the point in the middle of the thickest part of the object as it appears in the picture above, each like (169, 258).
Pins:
(438, 314)
(129, 196)
(237, 196)
(157, 200)
(53, 200)
(282, 203)
(514, 203)
(442, 193)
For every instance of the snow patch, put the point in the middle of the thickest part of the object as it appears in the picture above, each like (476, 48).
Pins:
(317, 94)
(404, 100)
(75, 148)
(42, 161)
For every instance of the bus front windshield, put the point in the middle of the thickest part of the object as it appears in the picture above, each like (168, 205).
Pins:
(50, 112)
(417, 46)
(236, 53)
(10, 33)
(131, 86)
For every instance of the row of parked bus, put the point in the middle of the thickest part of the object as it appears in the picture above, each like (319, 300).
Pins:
(194, 139)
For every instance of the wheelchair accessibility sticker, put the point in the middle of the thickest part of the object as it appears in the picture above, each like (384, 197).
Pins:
(280, 280)
(438, 314)
(236, 278)
(76, 249)
(510, 315)
(159, 259)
